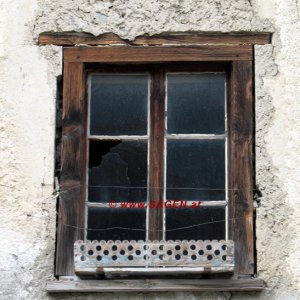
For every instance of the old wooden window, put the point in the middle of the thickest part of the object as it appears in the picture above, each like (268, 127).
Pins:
(154, 137)
(157, 123)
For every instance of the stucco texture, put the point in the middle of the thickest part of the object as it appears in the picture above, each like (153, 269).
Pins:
(28, 74)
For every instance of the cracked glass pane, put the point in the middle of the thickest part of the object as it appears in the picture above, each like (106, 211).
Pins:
(117, 171)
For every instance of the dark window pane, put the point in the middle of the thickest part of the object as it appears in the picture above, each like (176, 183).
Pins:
(196, 103)
(211, 218)
(195, 170)
(119, 105)
(101, 218)
(117, 171)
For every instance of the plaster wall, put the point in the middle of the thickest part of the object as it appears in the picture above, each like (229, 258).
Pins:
(27, 129)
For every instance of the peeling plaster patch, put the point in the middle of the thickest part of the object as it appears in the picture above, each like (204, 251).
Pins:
(266, 8)
(101, 17)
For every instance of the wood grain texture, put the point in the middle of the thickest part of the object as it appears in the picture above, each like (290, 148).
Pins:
(71, 203)
(156, 168)
(72, 39)
(157, 285)
(170, 271)
(151, 54)
(166, 67)
(205, 39)
(241, 174)
(71, 200)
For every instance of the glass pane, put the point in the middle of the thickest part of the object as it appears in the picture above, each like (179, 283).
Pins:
(211, 220)
(117, 171)
(118, 105)
(103, 218)
(195, 170)
(196, 103)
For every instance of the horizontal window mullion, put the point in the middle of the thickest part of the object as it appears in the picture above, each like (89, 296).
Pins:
(118, 137)
(196, 136)
(206, 203)
(189, 203)
(114, 205)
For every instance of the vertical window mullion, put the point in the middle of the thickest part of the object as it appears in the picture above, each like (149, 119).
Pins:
(156, 163)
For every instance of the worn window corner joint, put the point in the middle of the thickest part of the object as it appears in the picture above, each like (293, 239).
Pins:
(157, 163)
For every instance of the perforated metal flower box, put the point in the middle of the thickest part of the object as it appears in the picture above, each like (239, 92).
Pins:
(111, 257)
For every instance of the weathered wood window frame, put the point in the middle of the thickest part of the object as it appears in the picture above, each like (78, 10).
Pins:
(236, 54)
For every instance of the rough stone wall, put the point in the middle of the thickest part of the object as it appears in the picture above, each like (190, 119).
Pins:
(27, 129)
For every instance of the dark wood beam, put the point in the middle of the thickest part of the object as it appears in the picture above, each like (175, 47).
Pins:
(152, 54)
(156, 168)
(241, 166)
(231, 38)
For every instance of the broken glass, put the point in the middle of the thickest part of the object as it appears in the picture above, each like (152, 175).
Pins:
(117, 171)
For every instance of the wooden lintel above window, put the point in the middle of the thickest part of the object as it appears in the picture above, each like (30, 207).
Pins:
(159, 54)
(81, 38)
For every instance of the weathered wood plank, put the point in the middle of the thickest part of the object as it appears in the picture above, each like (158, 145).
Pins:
(115, 271)
(71, 201)
(71, 39)
(156, 167)
(241, 175)
(205, 39)
(157, 285)
(167, 67)
(158, 54)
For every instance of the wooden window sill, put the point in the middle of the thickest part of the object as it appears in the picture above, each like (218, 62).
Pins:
(156, 285)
